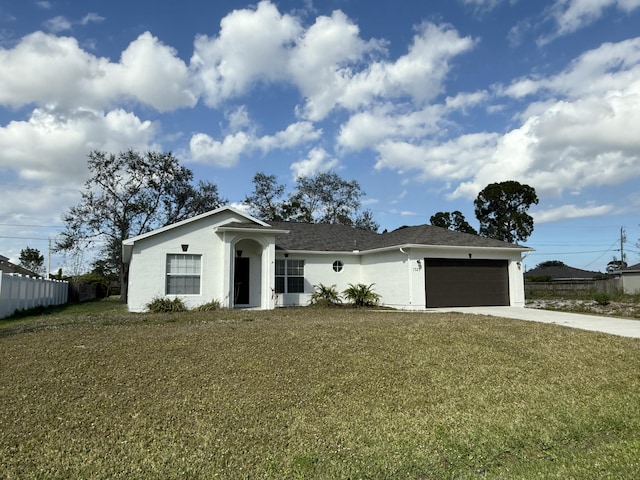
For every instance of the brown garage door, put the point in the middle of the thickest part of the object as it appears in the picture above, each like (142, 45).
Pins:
(466, 282)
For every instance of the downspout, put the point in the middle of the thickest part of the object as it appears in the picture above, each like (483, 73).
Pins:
(409, 276)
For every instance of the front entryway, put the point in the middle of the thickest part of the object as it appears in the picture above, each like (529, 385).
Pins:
(241, 280)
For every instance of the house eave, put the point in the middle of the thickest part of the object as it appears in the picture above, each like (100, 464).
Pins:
(407, 246)
(420, 246)
(226, 228)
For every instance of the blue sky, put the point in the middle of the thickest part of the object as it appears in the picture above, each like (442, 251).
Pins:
(424, 103)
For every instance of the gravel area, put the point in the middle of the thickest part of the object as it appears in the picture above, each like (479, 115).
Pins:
(613, 309)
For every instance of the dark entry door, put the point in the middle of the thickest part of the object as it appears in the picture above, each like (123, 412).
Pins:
(241, 281)
(466, 283)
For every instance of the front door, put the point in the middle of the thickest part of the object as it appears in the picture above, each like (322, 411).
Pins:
(241, 281)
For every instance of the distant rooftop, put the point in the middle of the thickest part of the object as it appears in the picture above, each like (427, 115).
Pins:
(7, 267)
(562, 272)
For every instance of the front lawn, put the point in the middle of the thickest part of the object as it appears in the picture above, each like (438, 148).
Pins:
(94, 392)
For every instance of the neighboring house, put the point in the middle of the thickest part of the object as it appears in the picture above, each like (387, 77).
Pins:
(630, 279)
(7, 267)
(229, 256)
(559, 272)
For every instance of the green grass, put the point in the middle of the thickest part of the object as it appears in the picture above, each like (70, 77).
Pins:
(94, 392)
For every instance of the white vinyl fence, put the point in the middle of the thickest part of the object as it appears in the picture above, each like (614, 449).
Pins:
(20, 292)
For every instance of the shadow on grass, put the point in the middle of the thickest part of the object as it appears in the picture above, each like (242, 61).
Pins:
(46, 317)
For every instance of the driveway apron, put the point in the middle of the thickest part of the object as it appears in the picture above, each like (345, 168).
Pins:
(596, 323)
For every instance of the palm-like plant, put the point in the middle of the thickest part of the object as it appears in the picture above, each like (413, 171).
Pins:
(325, 295)
(362, 295)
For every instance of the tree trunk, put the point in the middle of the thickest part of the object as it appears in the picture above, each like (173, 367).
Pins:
(124, 282)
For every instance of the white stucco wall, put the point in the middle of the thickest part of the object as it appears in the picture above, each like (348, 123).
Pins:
(397, 276)
(631, 283)
(318, 269)
(147, 270)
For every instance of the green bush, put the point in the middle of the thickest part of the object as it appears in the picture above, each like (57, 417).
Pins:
(209, 307)
(362, 295)
(325, 296)
(602, 298)
(166, 305)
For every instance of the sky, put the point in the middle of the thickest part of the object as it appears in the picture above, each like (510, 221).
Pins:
(424, 103)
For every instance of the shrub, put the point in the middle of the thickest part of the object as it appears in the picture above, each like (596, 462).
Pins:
(325, 296)
(602, 299)
(362, 295)
(166, 305)
(209, 307)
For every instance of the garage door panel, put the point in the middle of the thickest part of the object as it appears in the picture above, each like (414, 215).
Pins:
(466, 282)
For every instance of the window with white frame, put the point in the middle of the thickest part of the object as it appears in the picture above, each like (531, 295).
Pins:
(289, 276)
(183, 274)
(338, 266)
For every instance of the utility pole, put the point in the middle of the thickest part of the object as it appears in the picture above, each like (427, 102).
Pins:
(623, 239)
(49, 261)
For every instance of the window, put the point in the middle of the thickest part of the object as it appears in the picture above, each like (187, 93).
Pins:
(183, 274)
(337, 266)
(289, 276)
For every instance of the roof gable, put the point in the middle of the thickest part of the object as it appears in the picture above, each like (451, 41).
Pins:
(236, 216)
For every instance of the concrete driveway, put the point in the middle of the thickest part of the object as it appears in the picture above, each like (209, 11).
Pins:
(612, 325)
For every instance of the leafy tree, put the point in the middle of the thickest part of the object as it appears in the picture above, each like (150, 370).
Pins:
(502, 208)
(265, 202)
(323, 198)
(327, 198)
(453, 221)
(130, 194)
(550, 263)
(31, 259)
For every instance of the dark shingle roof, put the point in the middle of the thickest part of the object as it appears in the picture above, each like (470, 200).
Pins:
(7, 267)
(632, 268)
(558, 272)
(331, 237)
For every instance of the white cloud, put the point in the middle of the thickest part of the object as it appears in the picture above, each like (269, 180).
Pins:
(226, 153)
(612, 66)
(572, 15)
(47, 70)
(483, 5)
(322, 59)
(579, 136)
(251, 47)
(390, 122)
(295, 134)
(456, 159)
(58, 24)
(419, 74)
(570, 211)
(53, 147)
(317, 161)
(328, 62)
(142, 64)
(61, 24)
(92, 17)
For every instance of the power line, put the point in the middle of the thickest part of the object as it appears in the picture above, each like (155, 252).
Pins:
(29, 225)
(25, 238)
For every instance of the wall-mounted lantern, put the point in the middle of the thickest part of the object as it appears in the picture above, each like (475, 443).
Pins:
(185, 247)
